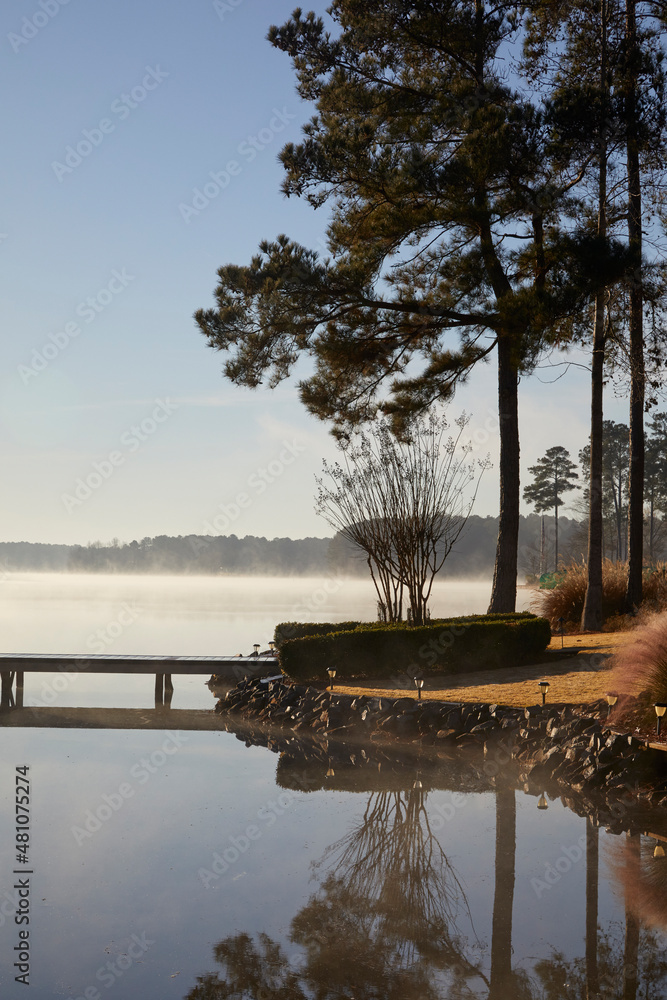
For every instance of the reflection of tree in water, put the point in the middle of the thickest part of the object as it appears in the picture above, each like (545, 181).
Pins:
(255, 971)
(619, 979)
(393, 874)
(382, 925)
(629, 959)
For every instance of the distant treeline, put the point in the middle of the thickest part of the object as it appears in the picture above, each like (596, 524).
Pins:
(227, 554)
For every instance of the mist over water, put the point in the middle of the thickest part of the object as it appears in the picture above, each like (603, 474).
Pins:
(180, 616)
(189, 615)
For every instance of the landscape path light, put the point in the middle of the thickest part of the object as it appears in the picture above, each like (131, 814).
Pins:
(256, 648)
(542, 801)
(611, 701)
(658, 850)
(272, 646)
(660, 709)
(332, 673)
(544, 687)
(419, 684)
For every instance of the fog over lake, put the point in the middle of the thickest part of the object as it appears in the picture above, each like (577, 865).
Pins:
(181, 615)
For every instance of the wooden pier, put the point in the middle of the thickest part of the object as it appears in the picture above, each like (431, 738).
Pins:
(14, 667)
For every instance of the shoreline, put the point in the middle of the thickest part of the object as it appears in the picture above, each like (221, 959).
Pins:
(566, 751)
(567, 745)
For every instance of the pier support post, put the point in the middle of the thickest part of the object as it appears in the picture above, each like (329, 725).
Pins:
(19, 689)
(159, 690)
(168, 690)
(6, 693)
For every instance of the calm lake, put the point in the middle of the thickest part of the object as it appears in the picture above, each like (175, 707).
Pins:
(171, 862)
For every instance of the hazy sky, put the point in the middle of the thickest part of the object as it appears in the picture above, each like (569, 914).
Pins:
(114, 113)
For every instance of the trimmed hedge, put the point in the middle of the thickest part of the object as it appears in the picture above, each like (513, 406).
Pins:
(449, 646)
(510, 616)
(297, 630)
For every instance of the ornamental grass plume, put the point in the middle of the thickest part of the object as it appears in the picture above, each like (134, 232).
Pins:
(640, 879)
(641, 664)
(566, 600)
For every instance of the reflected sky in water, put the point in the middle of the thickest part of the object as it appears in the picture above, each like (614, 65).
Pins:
(189, 865)
(182, 848)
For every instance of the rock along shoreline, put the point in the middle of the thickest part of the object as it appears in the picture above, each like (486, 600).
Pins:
(566, 750)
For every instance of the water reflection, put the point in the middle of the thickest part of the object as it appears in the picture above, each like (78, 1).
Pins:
(503, 978)
(374, 871)
(383, 923)
(391, 917)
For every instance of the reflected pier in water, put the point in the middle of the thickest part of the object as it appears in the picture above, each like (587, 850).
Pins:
(187, 720)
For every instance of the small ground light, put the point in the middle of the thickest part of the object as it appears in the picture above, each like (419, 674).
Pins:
(272, 646)
(611, 701)
(332, 673)
(658, 851)
(544, 687)
(417, 784)
(542, 802)
(256, 648)
(330, 771)
(419, 684)
(660, 709)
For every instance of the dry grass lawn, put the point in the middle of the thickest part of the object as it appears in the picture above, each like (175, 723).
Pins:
(576, 679)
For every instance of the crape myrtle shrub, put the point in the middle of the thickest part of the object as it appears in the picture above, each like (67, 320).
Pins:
(447, 646)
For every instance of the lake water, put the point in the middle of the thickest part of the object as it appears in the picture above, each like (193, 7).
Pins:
(177, 616)
(177, 863)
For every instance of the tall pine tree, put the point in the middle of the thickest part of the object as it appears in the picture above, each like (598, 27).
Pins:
(446, 204)
(610, 69)
(553, 475)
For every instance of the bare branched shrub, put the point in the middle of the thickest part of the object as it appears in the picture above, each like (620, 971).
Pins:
(566, 600)
(404, 503)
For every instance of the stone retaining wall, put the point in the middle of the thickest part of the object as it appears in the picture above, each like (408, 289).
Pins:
(566, 749)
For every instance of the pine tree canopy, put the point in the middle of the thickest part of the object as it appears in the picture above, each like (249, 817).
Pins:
(554, 475)
(447, 192)
(656, 463)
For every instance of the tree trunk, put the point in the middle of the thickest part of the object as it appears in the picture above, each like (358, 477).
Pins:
(556, 538)
(591, 618)
(503, 900)
(651, 533)
(503, 594)
(633, 595)
(632, 927)
(592, 864)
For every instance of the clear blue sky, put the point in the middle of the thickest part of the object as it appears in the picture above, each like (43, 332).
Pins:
(114, 113)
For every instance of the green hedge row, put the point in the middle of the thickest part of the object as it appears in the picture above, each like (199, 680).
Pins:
(449, 646)
(298, 630)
